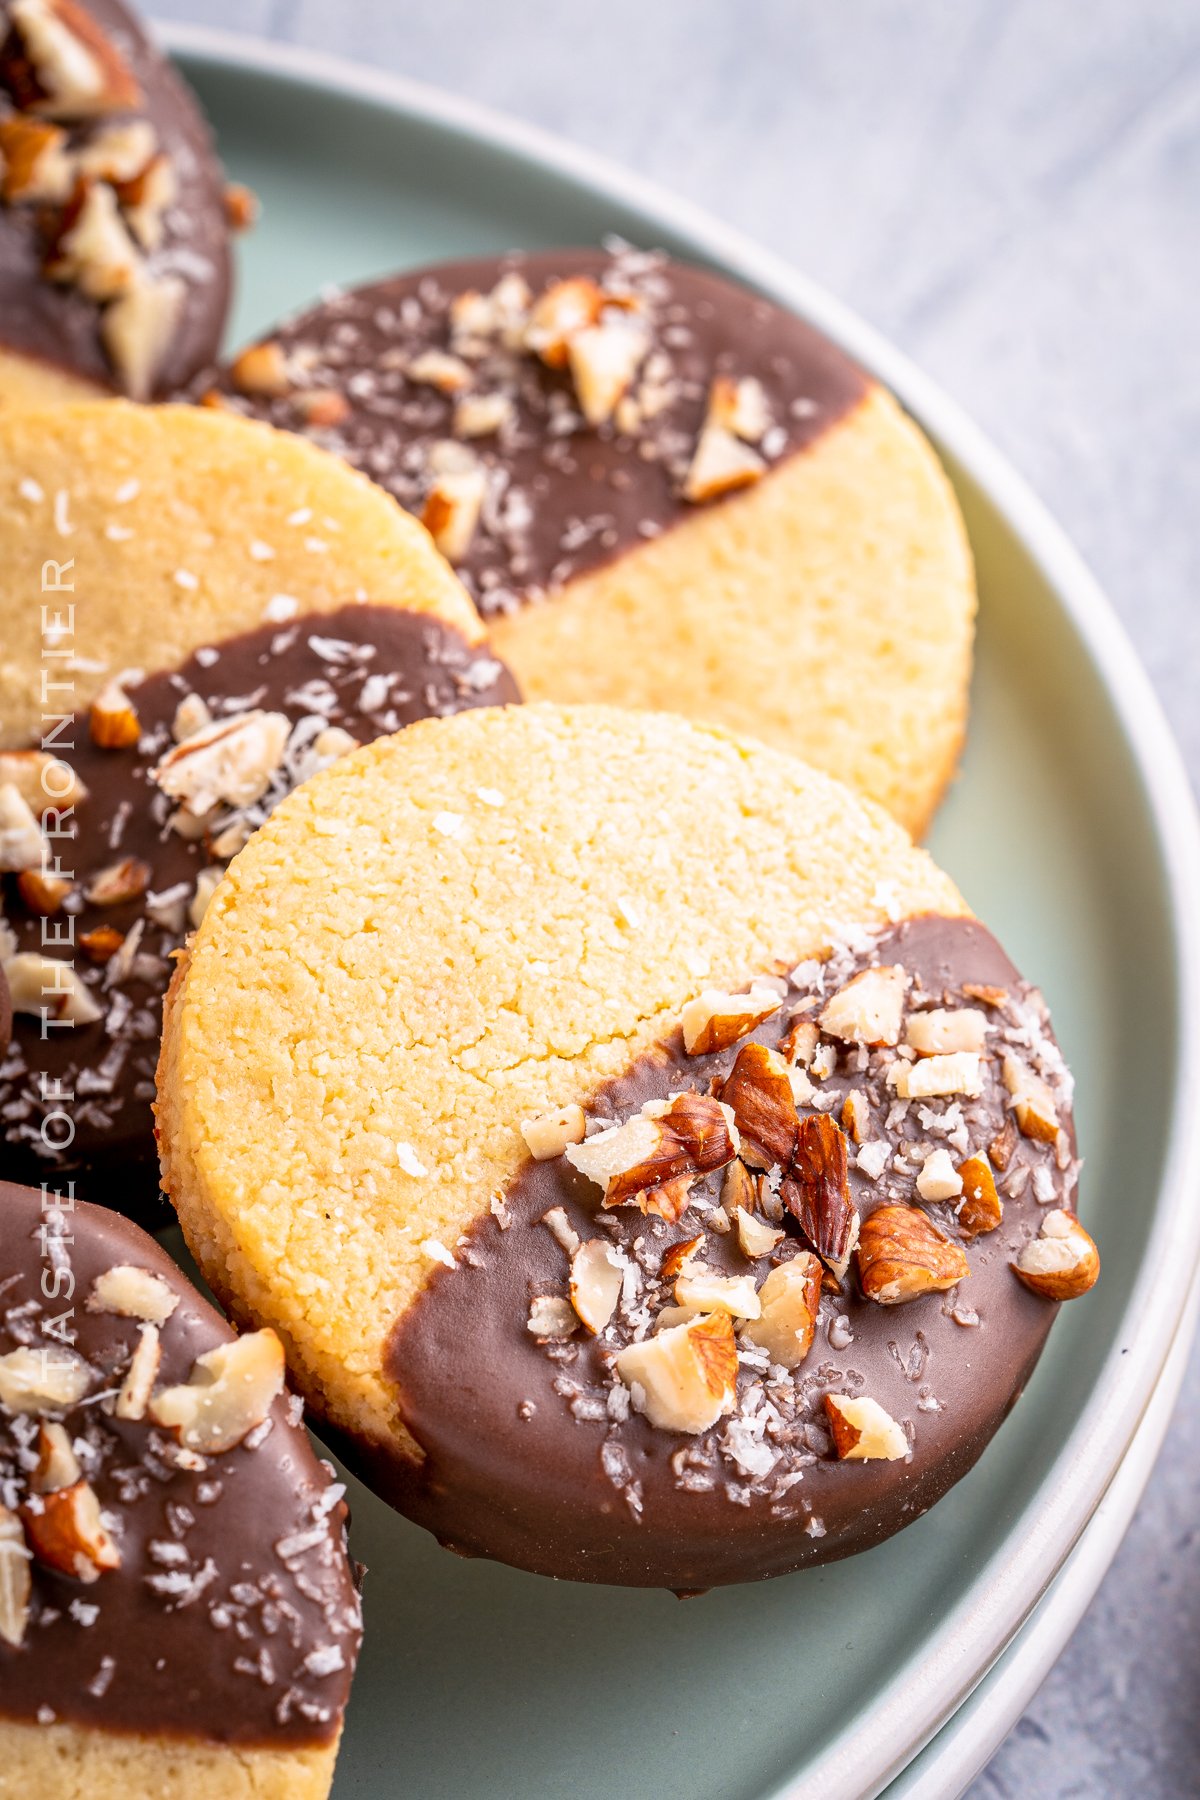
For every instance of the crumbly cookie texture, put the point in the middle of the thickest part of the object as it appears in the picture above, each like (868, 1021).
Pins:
(663, 491)
(114, 224)
(175, 1593)
(168, 778)
(170, 528)
(450, 933)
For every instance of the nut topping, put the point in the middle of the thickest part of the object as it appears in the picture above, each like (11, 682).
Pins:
(721, 465)
(790, 1298)
(550, 1317)
(1062, 1262)
(40, 1381)
(863, 1431)
(67, 1533)
(125, 880)
(938, 1178)
(754, 1238)
(229, 762)
(57, 1463)
(650, 1162)
(138, 329)
(565, 308)
(596, 1275)
(902, 1255)
(702, 1290)
(69, 68)
(231, 1390)
(42, 780)
(113, 722)
(934, 1076)
(22, 845)
(261, 369)
(140, 1376)
(452, 509)
(759, 1090)
(604, 360)
(16, 1583)
(940, 1033)
(549, 1134)
(133, 1293)
(42, 893)
(47, 985)
(92, 249)
(980, 1208)
(869, 1008)
(1032, 1101)
(683, 1378)
(715, 1020)
(37, 169)
(816, 1191)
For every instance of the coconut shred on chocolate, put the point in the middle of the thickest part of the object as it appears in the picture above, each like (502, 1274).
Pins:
(172, 1555)
(544, 412)
(113, 848)
(114, 260)
(761, 1300)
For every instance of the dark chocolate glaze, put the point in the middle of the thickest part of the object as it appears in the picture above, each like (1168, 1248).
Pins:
(568, 497)
(158, 1658)
(60, 326)
(509, 1472)
(368, 669)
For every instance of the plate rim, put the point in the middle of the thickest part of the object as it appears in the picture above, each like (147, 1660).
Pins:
(990, 1612)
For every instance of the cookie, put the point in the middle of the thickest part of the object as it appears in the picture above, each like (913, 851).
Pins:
(114, 837)
(662, 491)
(765, 1321)
(178, 1613)
(114, 242)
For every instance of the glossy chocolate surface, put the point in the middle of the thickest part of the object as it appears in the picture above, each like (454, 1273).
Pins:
(565, 497)
(233, 1616)
(77, 1100)
(527, 1460)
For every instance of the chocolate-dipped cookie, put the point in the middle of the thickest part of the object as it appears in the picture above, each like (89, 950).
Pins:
(177, 1610)
(114, 836)
(671, 1125)
(662, 490)
(114, 240)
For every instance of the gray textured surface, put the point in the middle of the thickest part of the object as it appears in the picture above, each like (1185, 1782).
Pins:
(1010, 189)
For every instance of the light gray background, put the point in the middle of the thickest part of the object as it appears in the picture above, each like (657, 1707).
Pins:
(1010, 189)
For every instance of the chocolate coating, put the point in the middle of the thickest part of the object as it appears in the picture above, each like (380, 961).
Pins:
(207, 1629)
(517, 1464)
(570, 497)
(367, 669)
(60, 326)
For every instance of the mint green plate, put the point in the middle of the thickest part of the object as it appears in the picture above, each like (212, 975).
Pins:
(1071, 831)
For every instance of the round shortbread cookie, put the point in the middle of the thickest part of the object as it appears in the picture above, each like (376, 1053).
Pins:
(114, 242)
(112, 840)
(662, 491)
(458, 945)
(178, 1613)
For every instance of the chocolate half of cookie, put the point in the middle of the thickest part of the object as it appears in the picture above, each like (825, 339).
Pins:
(661, 489)
(114, 255)
(173, 1572)
(115, 837)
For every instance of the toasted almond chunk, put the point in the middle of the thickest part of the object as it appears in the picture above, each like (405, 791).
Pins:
(938, 1179)
(942, 1033)
(739, 1188)
(16, 1583)
(933, 1076)
(683, 1378)
(596, 1275)
(22, 845)
(604, 360)
(92, 249)
(38, 169)
(322, 409)
(1062, 1262)
(66, 1533)
(439, 369)
(72, 69)
(565, 308)
(560, 1228)
(101, 944)
(113, 720)
(868, 1010)
(680, 1255)
(133, 1293)
(118, 152)
(740, 406)
(799, 1043)
(44, 782)
(191, 715)
(229, 762)
(57, 1463)
(42, 1380)
(140, 1376)
(651, 1160)
(1032, 1101)
(550, 1317)
(48, 985)
(549, 1134)
(231, 1390)
(452, 510)
(759, 1090)
(856, 1115)
(703, 1290)
(42, 893)
(146, 198)
(816, 1190)
(121, 881)
(862, 1431)
(754, 1237)
(241, 206)
(139, 328)
(261, 369)
(480, 415)
(996, 997)
(902, 1255)
(980, 1208)
(721, 464)
(714, 1020)
(790, 1298)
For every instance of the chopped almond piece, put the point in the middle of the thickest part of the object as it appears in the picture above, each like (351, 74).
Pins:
(138, 330)
(322, 409)
(22, 846)
(231, 1390)
(816, 1191)
(740, 407)
(790, 1298)
(40, 1381)
(856, 1115)
(133, 1293)
(980, 1208)
(42, 780)
(452, 510)
(241, 206)
(70, 69)
(650, 1161)
(938, 1179)
(1033, 1101)
(125, 880)
(66, 1533)
(604, 360)
(739, 1188)
(261, 369)
(902, 1255)
(49, 985)
(550, 1317)
(868, 1010)
(759, 1090)
(102, 944)
(16, 1583)
(565, 308)
(704, 1291)
(596, 1275)
(721, 464)
(863, 1431)
(933, 1076)
(549, 1134)
(942, 1033)
(37, 166)
(57, 1464)
(140, 1376)
(229, 762)
(683, 1378)
(1062, 1262)
(714, 1020)
(42, 893)
(754, 1238)
(437, 368)
(113, 722)
(92, 249)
